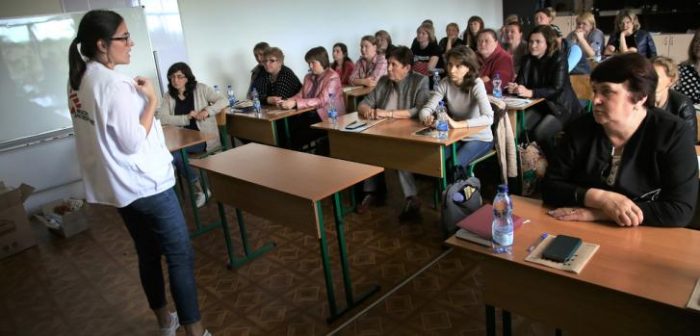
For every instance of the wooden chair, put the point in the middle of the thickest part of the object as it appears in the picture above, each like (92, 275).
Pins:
(582, 87)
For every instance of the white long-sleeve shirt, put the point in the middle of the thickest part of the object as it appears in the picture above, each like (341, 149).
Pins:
(119, 160)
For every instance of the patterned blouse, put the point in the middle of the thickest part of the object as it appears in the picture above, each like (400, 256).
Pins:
(689, 83)
(286, 85)
(364, 69)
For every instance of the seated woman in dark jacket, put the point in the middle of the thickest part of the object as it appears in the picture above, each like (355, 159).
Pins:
(627, 37)
(544, 74)
(669, 99)
(278, 82)
(627, 162)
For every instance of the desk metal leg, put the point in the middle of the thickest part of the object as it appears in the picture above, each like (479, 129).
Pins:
(350, 299)
(506, 323)
(190, 190)
(490, 320)
(249, 255)
(325, 260)
(442, 182)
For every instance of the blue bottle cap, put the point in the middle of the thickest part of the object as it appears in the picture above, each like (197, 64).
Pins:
(458, 197)
(502, 188)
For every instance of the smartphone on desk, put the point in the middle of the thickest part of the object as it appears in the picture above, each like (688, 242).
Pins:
(561, 248)
(428, 131)
(355, 125)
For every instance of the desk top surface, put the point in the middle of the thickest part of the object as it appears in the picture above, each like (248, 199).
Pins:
(359, 91)
(514, 103)
(270, 113)
(398, 129)
(177, 138)
(659, 264)
(300, 174)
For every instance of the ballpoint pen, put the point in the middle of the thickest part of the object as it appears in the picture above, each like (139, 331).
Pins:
(539, 240)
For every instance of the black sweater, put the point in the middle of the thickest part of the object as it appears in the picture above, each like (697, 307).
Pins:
(660, 155)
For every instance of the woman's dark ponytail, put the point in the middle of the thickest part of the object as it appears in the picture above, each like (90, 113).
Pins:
(76, 65)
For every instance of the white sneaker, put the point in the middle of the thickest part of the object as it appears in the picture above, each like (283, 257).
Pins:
(200, 198)
(172, 328)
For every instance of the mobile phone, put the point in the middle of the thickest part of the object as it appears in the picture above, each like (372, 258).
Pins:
(425, 131)
(355, 125)
(561, 248)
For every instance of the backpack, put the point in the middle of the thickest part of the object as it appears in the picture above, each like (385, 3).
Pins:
(451, 211)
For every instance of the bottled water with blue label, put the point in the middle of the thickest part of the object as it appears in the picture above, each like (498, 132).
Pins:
(256, 101)
(497, 89)
(332, 112)
(231, 97)
(442, 125)
(216, 89)
(502, 225)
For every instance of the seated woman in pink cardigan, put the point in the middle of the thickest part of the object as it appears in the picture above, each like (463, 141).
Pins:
(321, 87)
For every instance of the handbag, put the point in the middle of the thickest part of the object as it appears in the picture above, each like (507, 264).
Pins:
(533, 166)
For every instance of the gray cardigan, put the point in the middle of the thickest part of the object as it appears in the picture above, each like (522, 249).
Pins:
(412, 93)
(473, 106)
(204, 97)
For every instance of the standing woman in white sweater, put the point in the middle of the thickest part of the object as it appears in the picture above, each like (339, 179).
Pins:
(192, 105)
(125, 163)
(466, 101)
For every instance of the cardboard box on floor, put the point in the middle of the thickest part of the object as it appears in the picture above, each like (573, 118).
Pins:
(71, 222)
(15, 233)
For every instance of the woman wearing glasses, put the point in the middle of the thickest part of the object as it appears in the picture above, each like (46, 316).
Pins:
(125, 164)
(192, 105)
(627, 162)
(279, 81)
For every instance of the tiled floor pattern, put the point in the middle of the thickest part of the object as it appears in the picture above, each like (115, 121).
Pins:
(88, 284)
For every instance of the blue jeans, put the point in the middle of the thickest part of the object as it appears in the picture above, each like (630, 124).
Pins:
(468, 151)
(188, 172)
(157, 226)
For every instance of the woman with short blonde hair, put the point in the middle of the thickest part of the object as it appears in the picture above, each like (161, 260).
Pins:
(628, 37)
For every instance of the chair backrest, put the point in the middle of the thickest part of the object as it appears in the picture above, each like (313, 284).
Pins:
(582, 86)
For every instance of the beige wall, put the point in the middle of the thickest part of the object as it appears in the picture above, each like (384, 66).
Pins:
(13, 8)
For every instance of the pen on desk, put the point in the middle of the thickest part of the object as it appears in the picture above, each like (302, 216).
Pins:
(539, 240)
(352, 123)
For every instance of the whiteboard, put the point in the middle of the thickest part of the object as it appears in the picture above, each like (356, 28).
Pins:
(34, 72)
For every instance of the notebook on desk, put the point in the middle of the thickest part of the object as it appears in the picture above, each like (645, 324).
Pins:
(479, 223)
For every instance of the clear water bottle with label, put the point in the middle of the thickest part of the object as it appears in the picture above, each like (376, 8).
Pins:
(502, 225)
(216, 88)
(597, 56)
(497, 89)
(436, 78)
(257, 108)
(442, 124)
(231, 97)
(332, 112)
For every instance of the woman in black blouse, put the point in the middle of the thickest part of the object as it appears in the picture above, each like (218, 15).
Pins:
(279, 82)
(627, 162)
(544, 74)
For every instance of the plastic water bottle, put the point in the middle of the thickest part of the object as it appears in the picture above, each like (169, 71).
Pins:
(436, 78)
(332, 112)
(231, 97)
(502, 225)
(216, 89)
(597, 57)
(256, 101)
(443, 125)
(497, 91)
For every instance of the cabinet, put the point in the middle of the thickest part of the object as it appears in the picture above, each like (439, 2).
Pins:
(566, 23)
(674, 46)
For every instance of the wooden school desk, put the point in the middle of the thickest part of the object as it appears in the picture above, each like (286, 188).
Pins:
(637, 283)
(392, 144)
(516, 114)
(177, 139)
(287, 187)
(262, 128)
